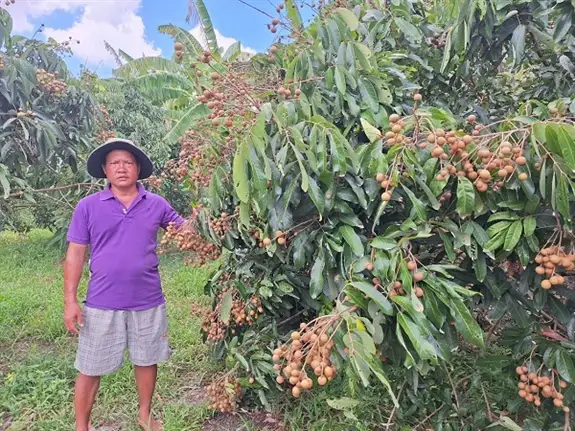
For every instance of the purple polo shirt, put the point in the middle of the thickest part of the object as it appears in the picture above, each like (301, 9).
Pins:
(124, 264)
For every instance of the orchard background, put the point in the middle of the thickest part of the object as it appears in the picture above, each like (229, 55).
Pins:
(382, 202)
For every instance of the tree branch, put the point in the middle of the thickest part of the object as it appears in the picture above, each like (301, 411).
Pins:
(53, 189)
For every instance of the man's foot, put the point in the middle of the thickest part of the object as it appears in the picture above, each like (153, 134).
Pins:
(150, 424)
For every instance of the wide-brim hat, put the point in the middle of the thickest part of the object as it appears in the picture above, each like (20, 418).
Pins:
(98, 157)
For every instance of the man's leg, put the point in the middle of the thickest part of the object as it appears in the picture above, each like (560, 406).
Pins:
(84, 395)
(148, 345)
(146, 383)
(101, 346)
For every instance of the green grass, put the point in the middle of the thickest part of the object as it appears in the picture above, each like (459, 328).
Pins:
(37, 354)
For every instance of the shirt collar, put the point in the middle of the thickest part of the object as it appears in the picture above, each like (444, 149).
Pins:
(107, 192)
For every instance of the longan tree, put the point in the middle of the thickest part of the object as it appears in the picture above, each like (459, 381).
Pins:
(374, 230)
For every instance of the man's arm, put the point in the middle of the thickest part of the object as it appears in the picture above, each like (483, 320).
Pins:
(73, 267)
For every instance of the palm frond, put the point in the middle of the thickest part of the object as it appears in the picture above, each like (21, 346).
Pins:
(125, 56)
(208, 29)
(113, 52)
(191, 44)
(146, 65)
(192, 17)
(187, 121)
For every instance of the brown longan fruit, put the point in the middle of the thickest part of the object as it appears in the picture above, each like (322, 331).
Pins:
(546, 284)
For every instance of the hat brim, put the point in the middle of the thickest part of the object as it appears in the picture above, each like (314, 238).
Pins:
(98, 158)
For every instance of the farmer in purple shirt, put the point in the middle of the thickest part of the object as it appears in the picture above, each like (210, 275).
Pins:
(125, 306)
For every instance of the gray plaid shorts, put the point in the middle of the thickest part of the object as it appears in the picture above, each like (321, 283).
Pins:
(107, 333)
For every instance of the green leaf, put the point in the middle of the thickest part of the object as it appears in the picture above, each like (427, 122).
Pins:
(446, 52)
(423, 347)
(480, 266)
(352, 239)
(245, 214)
(226, 307)
(239, 174)
(562, 198)
(529, 225)
(430, 196)
(552, 140)
(340, 80)
(372, 133)
(362, 54)
(5, 183)
(465, 324)
(465, 197)
(518, 43)
(513, 235)
(348, 17)
(343, 403)
(316, 196)
(418, 206)
(567, 147)
(304, 174)
(294, 14)
(498, 228)
(411, 32)
(565, 366)
(383, 243)
(369, 94)
(503, 216)
(369, 290)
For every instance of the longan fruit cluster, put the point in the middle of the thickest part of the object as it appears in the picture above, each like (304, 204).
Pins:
(280, 237)
(242, 313)
(417, 276)
(386, 184)
(395, 136)
(478, 163)
(224, 394)
(9, 2)
(533, 387)
(2, 65)
(50, 82)
(191, 240)
(221, 225)
(22, 113)
(273, 25)
(206, 57)
(549, 259)
(104, 135)
(309, 349)
(154, 182)
(286, 92)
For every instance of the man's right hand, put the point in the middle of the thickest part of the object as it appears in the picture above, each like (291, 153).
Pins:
(73, 315)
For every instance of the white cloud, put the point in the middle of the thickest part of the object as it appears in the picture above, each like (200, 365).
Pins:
(116, 22)
(223, 41)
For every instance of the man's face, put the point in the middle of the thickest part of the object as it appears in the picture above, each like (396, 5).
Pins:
(121, 168)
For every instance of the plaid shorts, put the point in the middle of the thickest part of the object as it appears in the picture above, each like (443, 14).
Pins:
(107, 333)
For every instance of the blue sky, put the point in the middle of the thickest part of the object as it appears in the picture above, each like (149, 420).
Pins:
(132, 25)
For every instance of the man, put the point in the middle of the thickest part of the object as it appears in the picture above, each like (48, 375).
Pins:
(125, 306)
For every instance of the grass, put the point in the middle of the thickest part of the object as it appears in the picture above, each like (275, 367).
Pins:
(37, 354)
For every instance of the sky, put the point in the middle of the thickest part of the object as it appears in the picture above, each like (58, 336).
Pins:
(132, 25)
